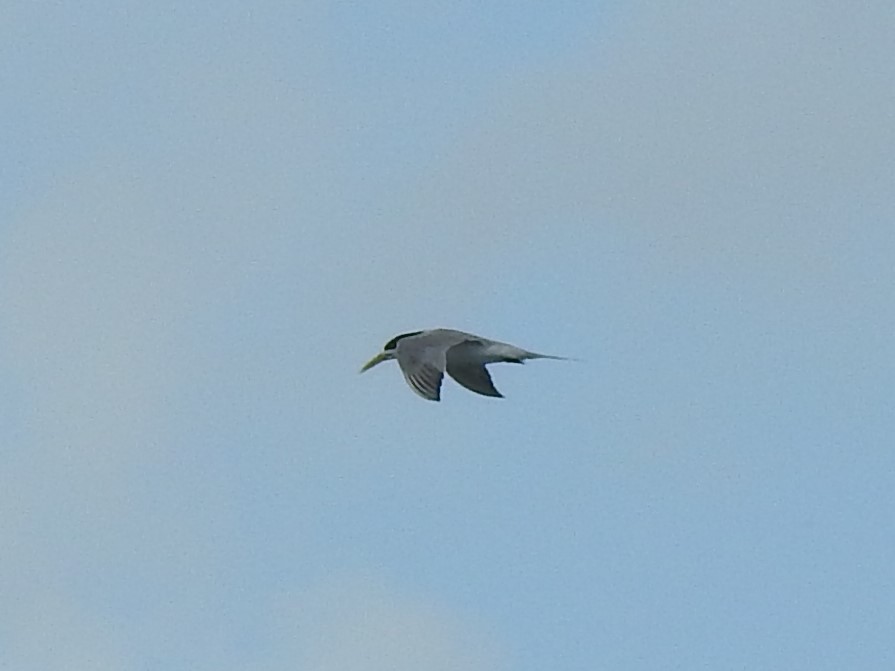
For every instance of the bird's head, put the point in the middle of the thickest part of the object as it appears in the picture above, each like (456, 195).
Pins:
(390, 351)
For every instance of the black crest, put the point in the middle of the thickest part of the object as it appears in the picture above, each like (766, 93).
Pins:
(393, 343)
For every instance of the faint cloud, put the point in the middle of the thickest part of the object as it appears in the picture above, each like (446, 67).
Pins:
(360, 623)
(732, 136)
(91, 291)
(51, 631)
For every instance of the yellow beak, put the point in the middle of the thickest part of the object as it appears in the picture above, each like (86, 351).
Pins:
(379, 358)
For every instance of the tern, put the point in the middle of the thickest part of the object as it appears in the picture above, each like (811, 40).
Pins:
(425, 356)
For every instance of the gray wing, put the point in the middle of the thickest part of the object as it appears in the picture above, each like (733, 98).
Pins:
(466, 366)
(422, 366)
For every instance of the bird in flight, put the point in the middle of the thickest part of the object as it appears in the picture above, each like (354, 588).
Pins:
(425, 356)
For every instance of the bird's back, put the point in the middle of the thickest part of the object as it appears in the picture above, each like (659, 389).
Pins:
(439, 339)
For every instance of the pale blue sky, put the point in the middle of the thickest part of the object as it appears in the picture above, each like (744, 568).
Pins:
(213, 215)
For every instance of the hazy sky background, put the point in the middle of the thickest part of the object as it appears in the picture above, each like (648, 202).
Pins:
(211, 215)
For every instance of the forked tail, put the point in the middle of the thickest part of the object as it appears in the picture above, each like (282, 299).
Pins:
(536, 355)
